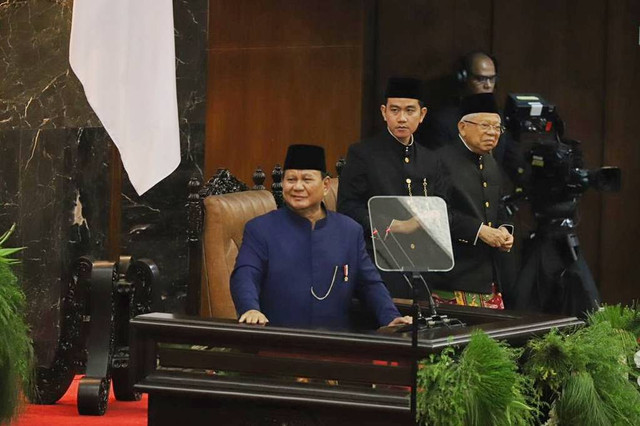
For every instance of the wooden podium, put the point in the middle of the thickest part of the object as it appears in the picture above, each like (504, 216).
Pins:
(217, 372)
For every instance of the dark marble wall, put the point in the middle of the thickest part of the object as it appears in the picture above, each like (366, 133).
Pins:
(55, 161)
(154, 225)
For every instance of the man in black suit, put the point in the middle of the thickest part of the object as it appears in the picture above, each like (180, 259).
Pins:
(475, 73)
(473, 191)
(390, 163)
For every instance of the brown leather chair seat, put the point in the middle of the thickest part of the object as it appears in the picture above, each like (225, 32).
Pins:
(225, 217)
(331, 197)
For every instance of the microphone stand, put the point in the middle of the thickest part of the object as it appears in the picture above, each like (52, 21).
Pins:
(417, 316)
(419, 321)
(434, 319)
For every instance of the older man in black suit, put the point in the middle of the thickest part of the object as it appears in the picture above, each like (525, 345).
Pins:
(473, 191)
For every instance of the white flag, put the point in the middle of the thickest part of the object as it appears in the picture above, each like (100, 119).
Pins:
(123, 52)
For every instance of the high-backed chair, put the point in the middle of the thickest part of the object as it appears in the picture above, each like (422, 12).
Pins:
(331, 198)
(224, 220)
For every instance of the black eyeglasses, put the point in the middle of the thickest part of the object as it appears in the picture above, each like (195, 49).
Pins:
(486, 126)
(484, 79)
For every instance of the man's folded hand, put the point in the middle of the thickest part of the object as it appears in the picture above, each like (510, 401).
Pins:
(508, 242)
(492, 237)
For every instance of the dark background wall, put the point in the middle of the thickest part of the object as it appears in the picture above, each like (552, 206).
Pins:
(281, 72)
(619, 229)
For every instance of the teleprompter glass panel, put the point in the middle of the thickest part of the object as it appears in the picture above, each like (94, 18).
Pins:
(410, 234)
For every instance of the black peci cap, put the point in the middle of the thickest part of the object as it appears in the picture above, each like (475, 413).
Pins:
(481, 102)
(305, 157)
(404, 87)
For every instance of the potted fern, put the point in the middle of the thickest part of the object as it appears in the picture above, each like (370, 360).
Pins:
(626, 320)
(481, 386)
(16, 350)
(584, 375)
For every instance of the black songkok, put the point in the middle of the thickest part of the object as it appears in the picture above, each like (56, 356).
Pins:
(403, 87)
(305, 157)
(482, 102)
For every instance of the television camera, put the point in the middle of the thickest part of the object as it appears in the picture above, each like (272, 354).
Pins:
(556, 177)
(554, 277)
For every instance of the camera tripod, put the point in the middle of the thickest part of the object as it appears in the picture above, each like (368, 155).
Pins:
(555, 277)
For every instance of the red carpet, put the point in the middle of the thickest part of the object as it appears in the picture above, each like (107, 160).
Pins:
(65, 412)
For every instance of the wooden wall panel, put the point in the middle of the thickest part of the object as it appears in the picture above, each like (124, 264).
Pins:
(425, 38)
(557, 49)
(284, 23)
(620, 230)
(282, 72)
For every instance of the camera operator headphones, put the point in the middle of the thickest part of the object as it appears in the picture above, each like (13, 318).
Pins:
(463, 66)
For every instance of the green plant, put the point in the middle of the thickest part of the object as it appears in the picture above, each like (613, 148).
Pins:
(16, 351)
(481, 387)
(585, 375)
(620, 317)
(625, 320)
